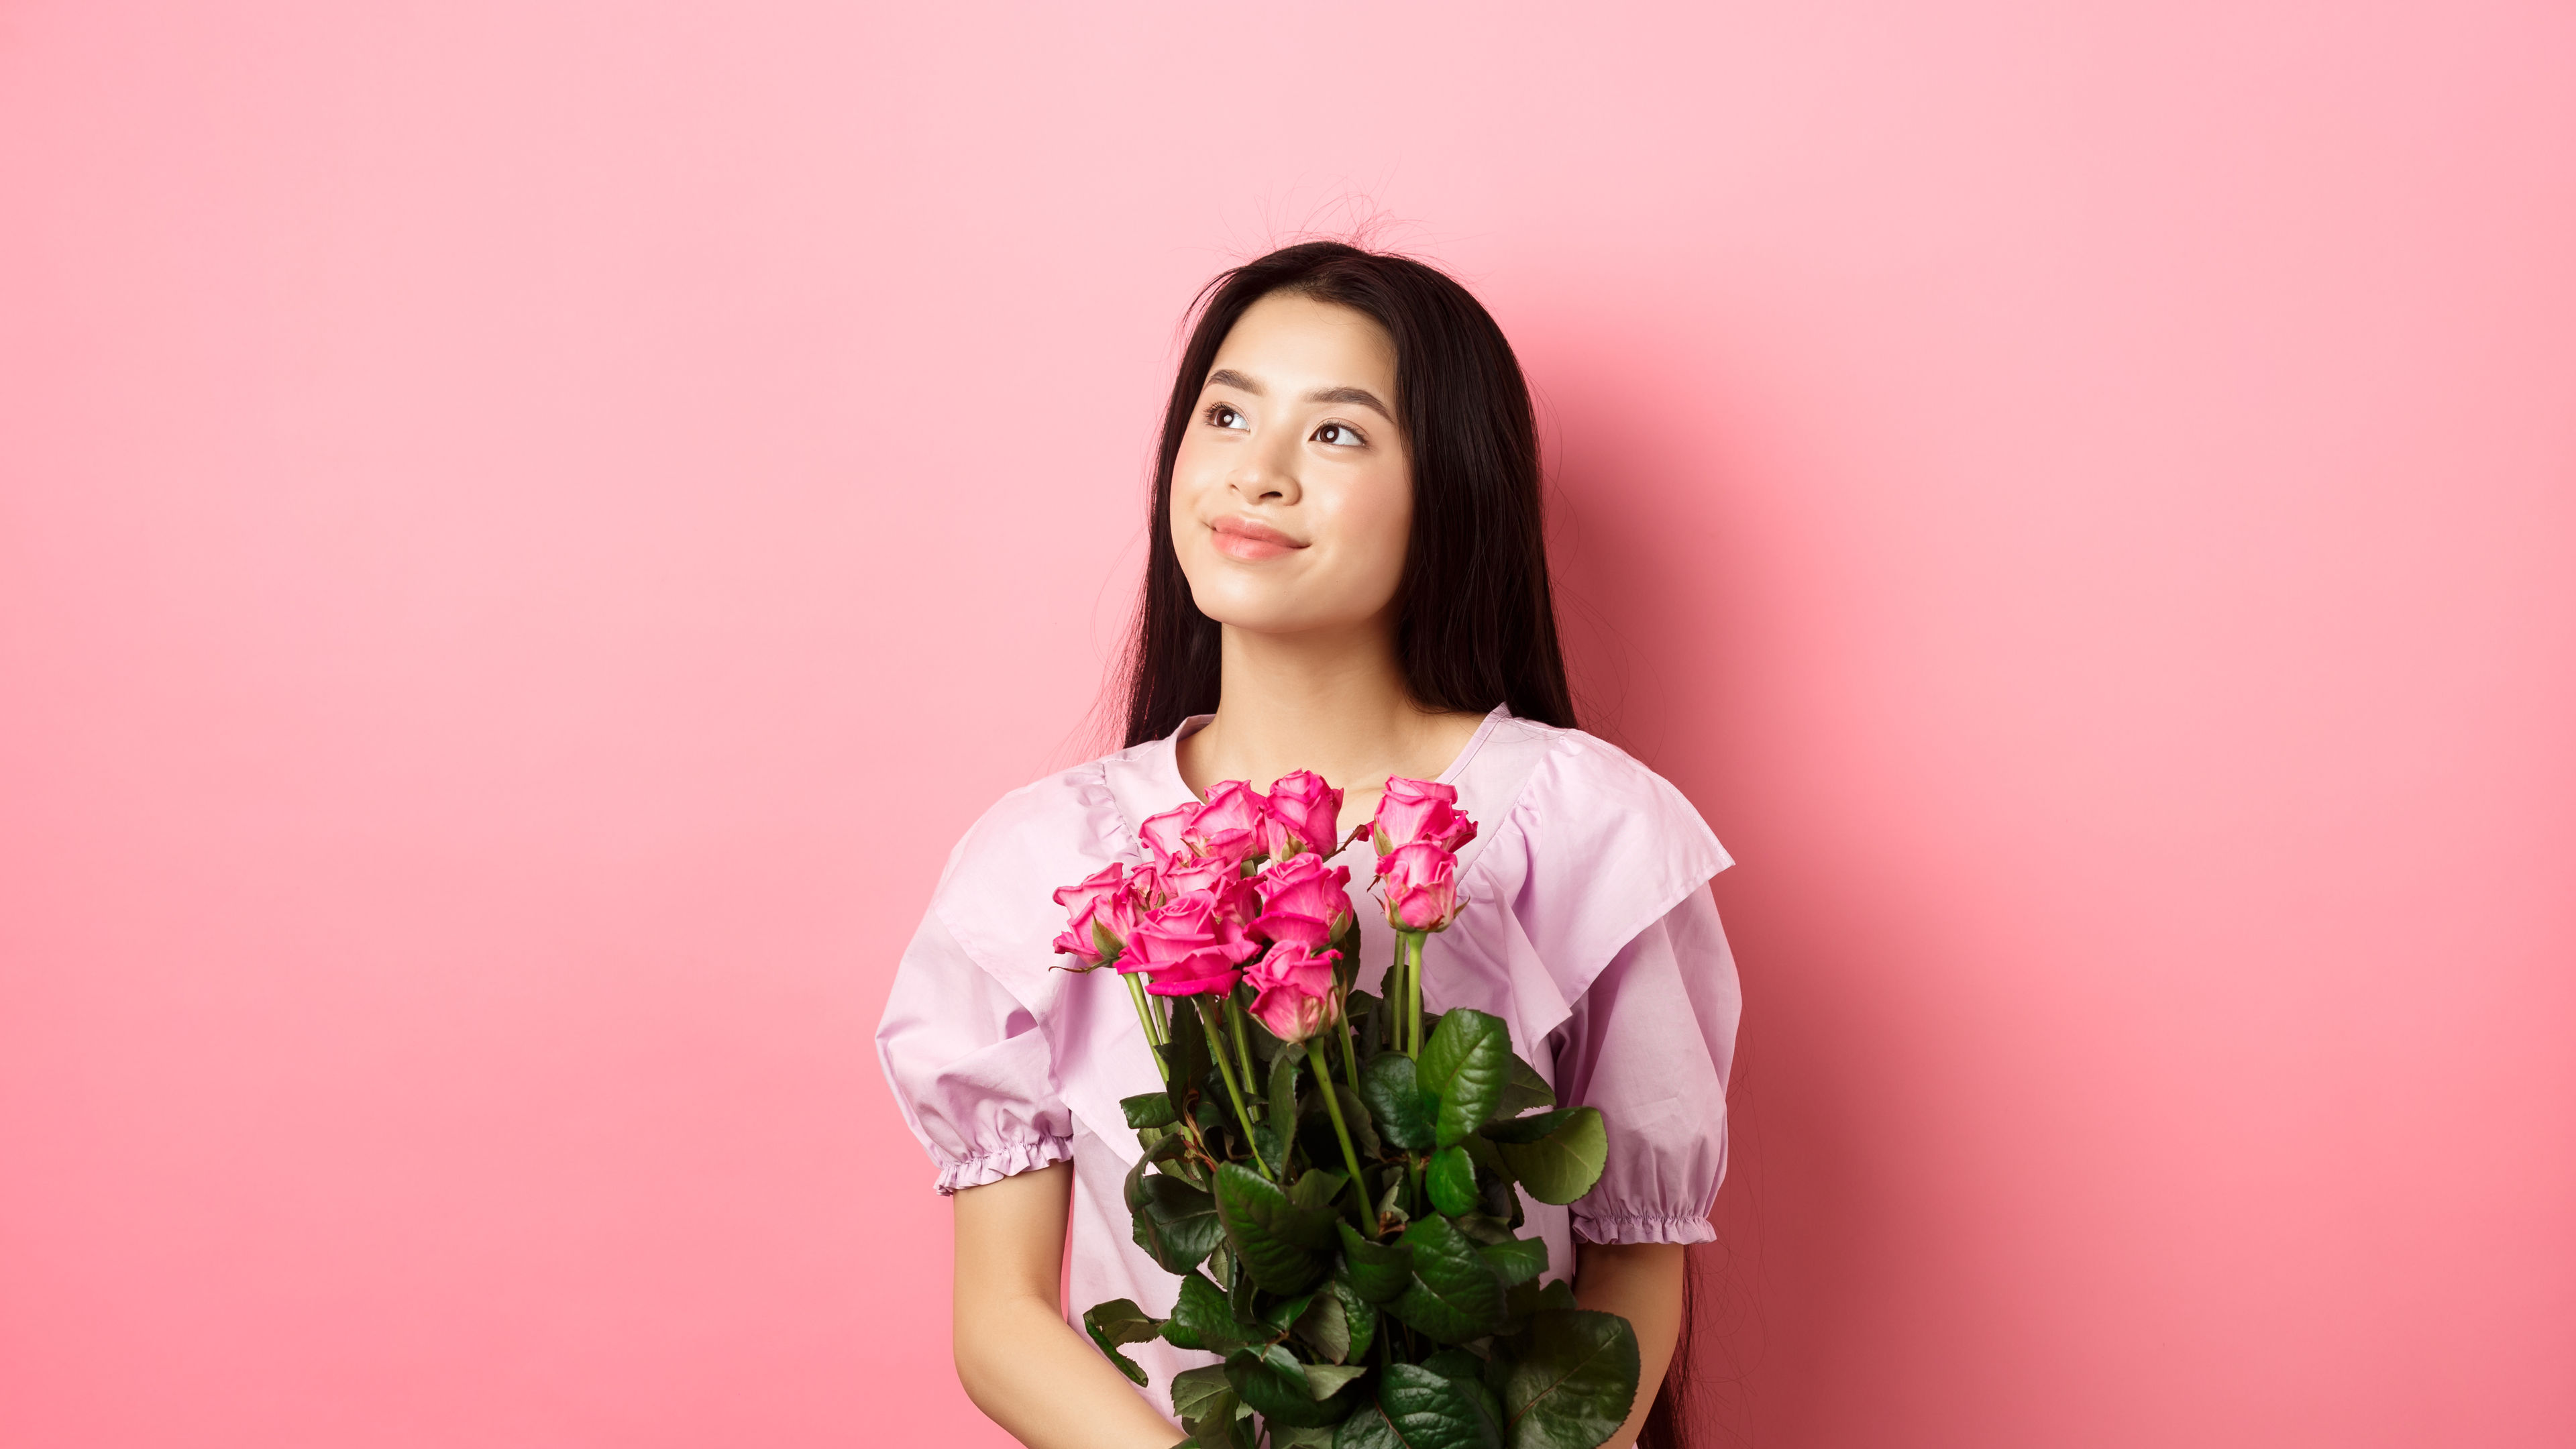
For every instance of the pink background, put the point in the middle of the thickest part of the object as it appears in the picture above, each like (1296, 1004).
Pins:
(528, 528)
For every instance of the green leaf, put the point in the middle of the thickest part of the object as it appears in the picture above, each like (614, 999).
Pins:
(1452, 1182)
(1186, 1057)
(1316, 1190)
(1561, 1165)
(1279, 1243)
(1519, 1260)
(1379, 1272)
(1177, 1223)
(1361, 1122)
(1323, 1380)
(1149, 1109)
(1524, 1090)
(1325, 1326)
(1116, 1322)
(1463, 1066)
(1301, 1436)
(1214, 1426)
(1359, 1316)
(1455, 1363)
(1529, 1128)
(1573, 1381)
(1274, 1383)
(1455, 1294)
(1429, 1411)
(1281, 1316)
(1203, 1318)
(1192, 1389)
(1279, 1126)
(1366, 1428)
(1389, 1085)
(1172, 1221)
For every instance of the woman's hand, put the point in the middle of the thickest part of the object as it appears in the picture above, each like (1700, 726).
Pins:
(1641, 1282)
(1022, 1364)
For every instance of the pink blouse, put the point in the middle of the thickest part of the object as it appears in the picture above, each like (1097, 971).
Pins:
(1587, 928)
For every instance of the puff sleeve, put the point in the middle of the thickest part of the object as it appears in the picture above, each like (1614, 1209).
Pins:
(1650, 1043)
(972, 1073)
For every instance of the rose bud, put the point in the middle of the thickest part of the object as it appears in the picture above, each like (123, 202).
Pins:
(1306, 809)
(1145, 887)
(1164, 833)
(1419, 884)
(1422, 811)
(1228, 826)
(1297, 993)
(1201, 973)
(1083, 938)
(1287, 929)
(1196, 874)
(1186, 942)
(1107, 881)
(1303, 885)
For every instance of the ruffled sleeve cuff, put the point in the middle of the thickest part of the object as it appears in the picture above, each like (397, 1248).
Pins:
(1634, 1228)
(1002, 1162)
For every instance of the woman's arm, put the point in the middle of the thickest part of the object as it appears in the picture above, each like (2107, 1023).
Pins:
(1022, 1364)
(1641, 1282)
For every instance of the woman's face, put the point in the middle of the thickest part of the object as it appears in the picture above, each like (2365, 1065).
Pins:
(1292, 495)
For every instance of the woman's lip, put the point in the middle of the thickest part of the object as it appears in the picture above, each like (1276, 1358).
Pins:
(1250, 538)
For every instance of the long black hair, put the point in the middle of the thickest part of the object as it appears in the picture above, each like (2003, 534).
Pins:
(1475, 625)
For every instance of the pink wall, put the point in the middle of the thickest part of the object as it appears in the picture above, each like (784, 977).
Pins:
(527, 528)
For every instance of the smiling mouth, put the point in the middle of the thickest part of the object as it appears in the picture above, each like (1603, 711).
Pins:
(1250, 539)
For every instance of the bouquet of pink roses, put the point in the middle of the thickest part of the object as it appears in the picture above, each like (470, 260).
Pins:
(1337, 1179)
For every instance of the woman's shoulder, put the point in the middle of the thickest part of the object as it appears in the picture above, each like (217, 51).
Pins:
(1048, 825)
(1558, 788)
(1589, 845)
(996, 897)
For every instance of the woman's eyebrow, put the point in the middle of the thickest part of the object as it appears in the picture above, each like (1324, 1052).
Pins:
(1353, 396)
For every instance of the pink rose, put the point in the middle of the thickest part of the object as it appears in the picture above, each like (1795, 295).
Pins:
(1303, 885)
(1163, 833)
(1288, 929)
(1186, 948)
(1100, 915)
(1305, 809)
(1419, 884)
(1422, 811)
(1194, 873)
(1237, 901)
(1228, 826)
(1298, 995)
(1145, 887)
(1108, 881)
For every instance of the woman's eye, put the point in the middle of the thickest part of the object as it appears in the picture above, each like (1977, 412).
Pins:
(1224, 416)
(1339, 435)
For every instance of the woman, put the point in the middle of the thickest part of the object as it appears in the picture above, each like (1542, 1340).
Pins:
(1346, 576)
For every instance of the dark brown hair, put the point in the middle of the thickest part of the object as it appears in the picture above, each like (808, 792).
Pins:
(1475, 625)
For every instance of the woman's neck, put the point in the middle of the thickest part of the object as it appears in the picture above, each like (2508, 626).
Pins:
(1333, 702)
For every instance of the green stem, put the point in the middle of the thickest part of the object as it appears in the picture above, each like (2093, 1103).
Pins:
(1391, 1007)
(1145, 1016)
(1207, 1014)
(1413, 994)
(1350, 1156)
(1350, 1056)
(1234, 1015)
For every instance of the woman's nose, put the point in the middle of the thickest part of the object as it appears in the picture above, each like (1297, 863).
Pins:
(1267, 475)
